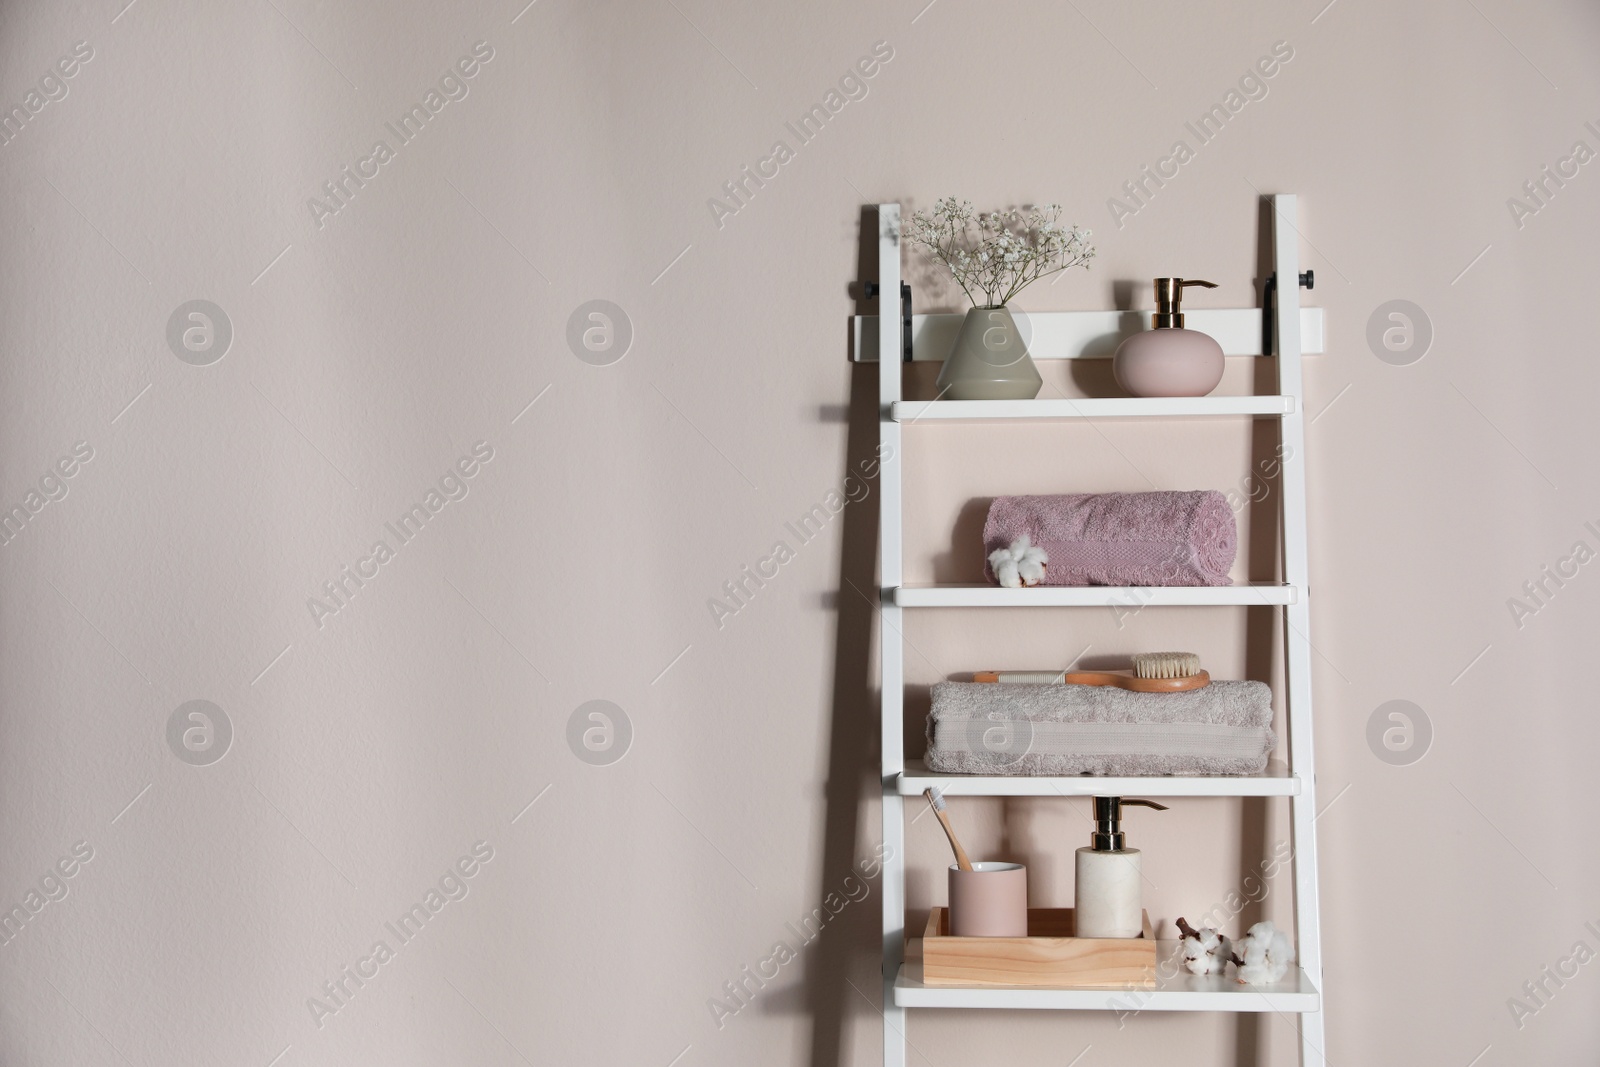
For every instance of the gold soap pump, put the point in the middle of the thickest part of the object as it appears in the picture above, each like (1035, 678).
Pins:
(1169, 360)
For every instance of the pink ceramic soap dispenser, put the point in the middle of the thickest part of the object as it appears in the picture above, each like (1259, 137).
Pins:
(1169, 360)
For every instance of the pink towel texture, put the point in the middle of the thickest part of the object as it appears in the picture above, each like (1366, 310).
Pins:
(1166, 538)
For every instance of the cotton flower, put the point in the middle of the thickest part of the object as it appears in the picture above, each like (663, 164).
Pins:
(1020, 565)
(1266, 953)
(1205, 951)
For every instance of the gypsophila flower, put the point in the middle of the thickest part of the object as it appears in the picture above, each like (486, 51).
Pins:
(997, 254)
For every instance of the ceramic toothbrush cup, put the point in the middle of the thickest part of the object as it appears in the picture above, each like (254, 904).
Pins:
(991, 900)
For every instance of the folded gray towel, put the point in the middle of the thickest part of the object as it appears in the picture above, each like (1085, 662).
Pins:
(1009, 728)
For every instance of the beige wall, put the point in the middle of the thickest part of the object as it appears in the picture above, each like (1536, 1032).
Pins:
(376, 746)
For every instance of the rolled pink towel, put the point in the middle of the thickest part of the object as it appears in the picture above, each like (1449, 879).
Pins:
(1165, 538)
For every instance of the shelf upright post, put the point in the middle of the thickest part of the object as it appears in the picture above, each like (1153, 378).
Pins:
(891, 650)
(1297, 615)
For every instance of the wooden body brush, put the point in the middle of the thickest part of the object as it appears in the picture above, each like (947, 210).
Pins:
(1153, 672)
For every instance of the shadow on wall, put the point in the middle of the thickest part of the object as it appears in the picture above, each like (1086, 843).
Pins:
(847, 958)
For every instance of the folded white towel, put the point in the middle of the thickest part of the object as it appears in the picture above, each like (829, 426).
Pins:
(1018, 729)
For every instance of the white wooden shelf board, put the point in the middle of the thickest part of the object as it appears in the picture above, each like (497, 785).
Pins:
(1181, 992)
(1276, 781)
(1128, 407)
(1123, 596)
(1084, 334)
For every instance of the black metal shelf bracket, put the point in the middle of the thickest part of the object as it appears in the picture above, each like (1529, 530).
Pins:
(871, 290)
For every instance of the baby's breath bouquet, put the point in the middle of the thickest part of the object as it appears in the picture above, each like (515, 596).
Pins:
(997, 254)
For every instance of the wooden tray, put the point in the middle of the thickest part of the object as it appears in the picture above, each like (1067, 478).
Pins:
(1049, 956)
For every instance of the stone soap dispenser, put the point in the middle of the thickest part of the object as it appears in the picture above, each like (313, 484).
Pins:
(1108, 901)
(1169, 360)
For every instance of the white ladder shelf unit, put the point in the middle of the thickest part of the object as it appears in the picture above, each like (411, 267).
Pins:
(1071, 335)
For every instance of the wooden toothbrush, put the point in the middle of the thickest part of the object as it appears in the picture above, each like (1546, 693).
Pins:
(936, 801)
